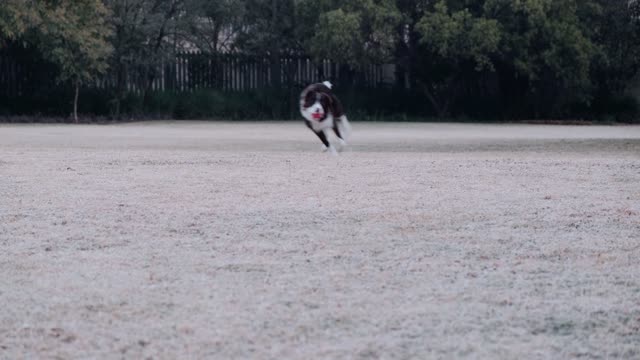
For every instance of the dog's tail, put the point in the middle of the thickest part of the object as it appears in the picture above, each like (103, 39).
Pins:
(327, 84)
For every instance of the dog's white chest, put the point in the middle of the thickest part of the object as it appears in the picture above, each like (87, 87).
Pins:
(327, 123)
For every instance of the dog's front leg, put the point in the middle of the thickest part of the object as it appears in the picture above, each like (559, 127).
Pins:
(324, 136)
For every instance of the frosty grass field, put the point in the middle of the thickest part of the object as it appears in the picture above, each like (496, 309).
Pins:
(170, 240)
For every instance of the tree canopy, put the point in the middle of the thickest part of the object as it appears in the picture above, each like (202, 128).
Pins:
(353, 32)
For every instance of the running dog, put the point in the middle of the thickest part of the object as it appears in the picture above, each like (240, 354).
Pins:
(323, 112)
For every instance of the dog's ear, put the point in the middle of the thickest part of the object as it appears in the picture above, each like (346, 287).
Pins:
(327, 103)
(309, 99)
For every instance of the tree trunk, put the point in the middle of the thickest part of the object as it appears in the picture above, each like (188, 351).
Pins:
(441, 101)
(149, 78)
(440, 111)
(274, 51)
(120, 89)
(75, 101)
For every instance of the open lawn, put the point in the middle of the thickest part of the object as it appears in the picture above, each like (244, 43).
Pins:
(170, 240)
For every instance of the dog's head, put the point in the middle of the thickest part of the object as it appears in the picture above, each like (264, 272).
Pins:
(315, 102)
(315, 106)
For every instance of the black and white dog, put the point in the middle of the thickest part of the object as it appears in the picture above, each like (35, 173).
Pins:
(323, 112)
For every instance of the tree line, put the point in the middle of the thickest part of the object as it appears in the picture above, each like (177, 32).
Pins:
(493, 59)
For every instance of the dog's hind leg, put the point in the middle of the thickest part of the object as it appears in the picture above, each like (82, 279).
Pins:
(343, 143)
(343, 128)
(336, 130)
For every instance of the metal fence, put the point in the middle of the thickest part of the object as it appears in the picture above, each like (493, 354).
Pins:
(21, 73)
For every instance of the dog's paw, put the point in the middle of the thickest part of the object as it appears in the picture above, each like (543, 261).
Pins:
(332, 150)
(324, 148)
(342, 145)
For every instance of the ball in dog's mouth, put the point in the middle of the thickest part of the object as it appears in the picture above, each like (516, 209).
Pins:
(317, 115)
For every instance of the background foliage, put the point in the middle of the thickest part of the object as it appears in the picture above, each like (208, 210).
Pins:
(472, 59)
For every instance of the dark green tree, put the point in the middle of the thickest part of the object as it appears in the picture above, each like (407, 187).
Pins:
(16, 17)
(269, 30)
(73, 35)
(616, 30)
(146, 34)
(455, 45)
(355, 33)
(545, 57)
(214, 25)
(70, 34)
